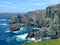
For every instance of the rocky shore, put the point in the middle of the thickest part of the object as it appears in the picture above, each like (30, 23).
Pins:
(47, 21)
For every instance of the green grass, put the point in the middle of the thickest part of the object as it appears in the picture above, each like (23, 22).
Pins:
(46, 42)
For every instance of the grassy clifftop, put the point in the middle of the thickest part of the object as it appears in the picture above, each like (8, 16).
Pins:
(46, 42)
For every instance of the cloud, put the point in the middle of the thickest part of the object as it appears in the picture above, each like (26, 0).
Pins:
(26, 5)
(54, 1)
(39, 3)
(45, 2)
(8, 5)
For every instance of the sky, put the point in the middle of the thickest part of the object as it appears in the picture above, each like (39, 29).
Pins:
(22, 6)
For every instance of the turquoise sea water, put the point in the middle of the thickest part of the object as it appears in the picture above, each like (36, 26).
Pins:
(11, 38)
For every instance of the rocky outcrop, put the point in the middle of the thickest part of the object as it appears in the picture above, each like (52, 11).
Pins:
(43, 32)
(37, 17)
(15, 23)
(48, 27)
(30, 34)
(16, 19)
(15, 27)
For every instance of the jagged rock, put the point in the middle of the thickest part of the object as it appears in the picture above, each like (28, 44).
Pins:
(48, 11)
(15, 27)
(36, 16)
(54, 13)
(52, 10)
(15, 23)
(16, 19)
(38, 19)
(43, 32)
(30, 34)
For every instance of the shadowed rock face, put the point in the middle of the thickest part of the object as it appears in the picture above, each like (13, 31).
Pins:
(15, 23)
(42, 33)
(31, 34)
(16, 19)
(52, 10)
(15, 27)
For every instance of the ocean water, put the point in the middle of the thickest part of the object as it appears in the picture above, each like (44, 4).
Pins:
(13, 38)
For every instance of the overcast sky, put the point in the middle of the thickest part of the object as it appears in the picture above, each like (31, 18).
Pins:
(21, 6)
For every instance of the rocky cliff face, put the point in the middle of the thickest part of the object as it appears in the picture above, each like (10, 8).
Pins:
(52, 10)
(36, 14)
(54, 13)
(49, 23)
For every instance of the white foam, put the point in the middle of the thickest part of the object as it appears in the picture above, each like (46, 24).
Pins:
(47, 38)
(36, 28)
(21, 37)
(3, 20)
(13, 31)
(16, 31)
(39, 40)
(21, 30)
(31, 39)
(3, 24)
(7, 31)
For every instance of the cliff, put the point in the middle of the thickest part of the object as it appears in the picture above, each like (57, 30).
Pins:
(48, 22)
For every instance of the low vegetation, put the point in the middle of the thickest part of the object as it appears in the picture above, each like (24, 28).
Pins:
(46, 42)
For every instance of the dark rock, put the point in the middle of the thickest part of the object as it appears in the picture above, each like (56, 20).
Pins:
(15, 27)
(31, 34)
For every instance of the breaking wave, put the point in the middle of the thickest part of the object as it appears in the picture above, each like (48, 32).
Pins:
(4, 24)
